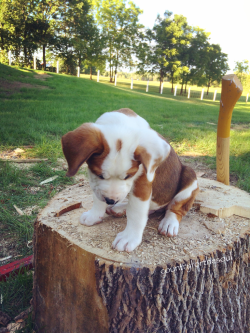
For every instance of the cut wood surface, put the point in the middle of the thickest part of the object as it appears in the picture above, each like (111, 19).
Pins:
(196, 282)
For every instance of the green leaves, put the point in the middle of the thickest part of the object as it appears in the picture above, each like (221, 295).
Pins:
(120, 23)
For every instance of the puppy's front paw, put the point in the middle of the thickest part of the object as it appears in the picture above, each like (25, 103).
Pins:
(89, 218)
(169, 225)
(126, 241)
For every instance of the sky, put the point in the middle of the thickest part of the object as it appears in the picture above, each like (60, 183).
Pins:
(228, 22)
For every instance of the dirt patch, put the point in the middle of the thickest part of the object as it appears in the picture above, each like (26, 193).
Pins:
(41, 76)
(12, 87)
(240, 127)
(195, 162)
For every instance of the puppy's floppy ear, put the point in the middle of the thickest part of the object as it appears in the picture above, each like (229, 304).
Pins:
(151, 151)
(80, 144)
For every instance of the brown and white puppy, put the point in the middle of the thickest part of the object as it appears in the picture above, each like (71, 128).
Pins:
(126, 158)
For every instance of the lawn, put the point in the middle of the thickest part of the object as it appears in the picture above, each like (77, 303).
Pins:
(35, 114)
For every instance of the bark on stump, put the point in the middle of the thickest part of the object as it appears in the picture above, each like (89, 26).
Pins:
(196, 282)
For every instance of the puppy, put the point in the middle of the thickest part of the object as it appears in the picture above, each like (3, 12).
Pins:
(126, 157)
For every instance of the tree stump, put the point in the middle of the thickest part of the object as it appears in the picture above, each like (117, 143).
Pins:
(198, 281)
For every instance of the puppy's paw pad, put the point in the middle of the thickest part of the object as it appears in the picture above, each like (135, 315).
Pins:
(125, 241)
(88, 218)
(169, 226)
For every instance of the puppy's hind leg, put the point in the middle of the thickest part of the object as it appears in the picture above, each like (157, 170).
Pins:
(180, 204)
(119, 209)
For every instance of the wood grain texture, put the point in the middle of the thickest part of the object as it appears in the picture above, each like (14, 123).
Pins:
(222, 160)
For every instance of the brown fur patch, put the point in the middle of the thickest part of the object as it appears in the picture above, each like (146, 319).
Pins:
(118, 145)
(135, 166)
(142, 187)
(127, 112)
(142, 156)
(182, 207)
(167, 177)
(156, 164)
(81, 144)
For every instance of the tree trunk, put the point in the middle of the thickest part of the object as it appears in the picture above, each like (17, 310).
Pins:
(182, 83)
(25, 55)
(161, 80)
(44, 58)
(192, 283)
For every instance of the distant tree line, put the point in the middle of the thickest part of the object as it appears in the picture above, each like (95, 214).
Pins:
(97, 33)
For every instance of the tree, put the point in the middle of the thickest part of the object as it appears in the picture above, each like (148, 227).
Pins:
(241, 70)
(94, 55)
(18, 28)
(216, 64)
(74, 29)
(166, 46)
(194, 56)
(120, 23)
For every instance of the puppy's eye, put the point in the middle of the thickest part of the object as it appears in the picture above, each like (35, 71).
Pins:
(127, 177)
(100, 176)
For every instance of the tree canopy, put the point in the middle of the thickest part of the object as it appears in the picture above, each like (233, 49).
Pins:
(96, 33)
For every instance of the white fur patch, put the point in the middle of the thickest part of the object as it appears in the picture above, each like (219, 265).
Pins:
(185, 194)
(137, 216)
(169, 225)
(95, 214)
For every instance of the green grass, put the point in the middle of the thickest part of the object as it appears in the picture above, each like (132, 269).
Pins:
(17, 189)
(16, 293)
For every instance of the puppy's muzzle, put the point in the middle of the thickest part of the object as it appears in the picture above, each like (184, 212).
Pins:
(110, 201)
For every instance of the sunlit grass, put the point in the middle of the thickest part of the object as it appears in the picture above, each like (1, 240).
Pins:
(167, 86)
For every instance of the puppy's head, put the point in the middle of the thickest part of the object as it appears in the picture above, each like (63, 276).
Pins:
(114, 161)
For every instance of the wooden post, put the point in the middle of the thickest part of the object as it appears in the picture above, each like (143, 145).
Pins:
(78, 71)
(189, 92)
(98, 74)
(202, 94)
(161, 87)
(175, 91)
(131, 83)
(215, 92)
(147, 86)
(9, 58)
(34, 61)
(230, 93)
(57, 67)
(115, 78)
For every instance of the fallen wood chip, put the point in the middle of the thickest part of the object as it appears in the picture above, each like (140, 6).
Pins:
(48, 180)
(3, 259)
(4, 318)
(20, 212)
(68, 208)
(23, 315)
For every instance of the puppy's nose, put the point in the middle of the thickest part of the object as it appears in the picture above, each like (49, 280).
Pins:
(109, 201)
